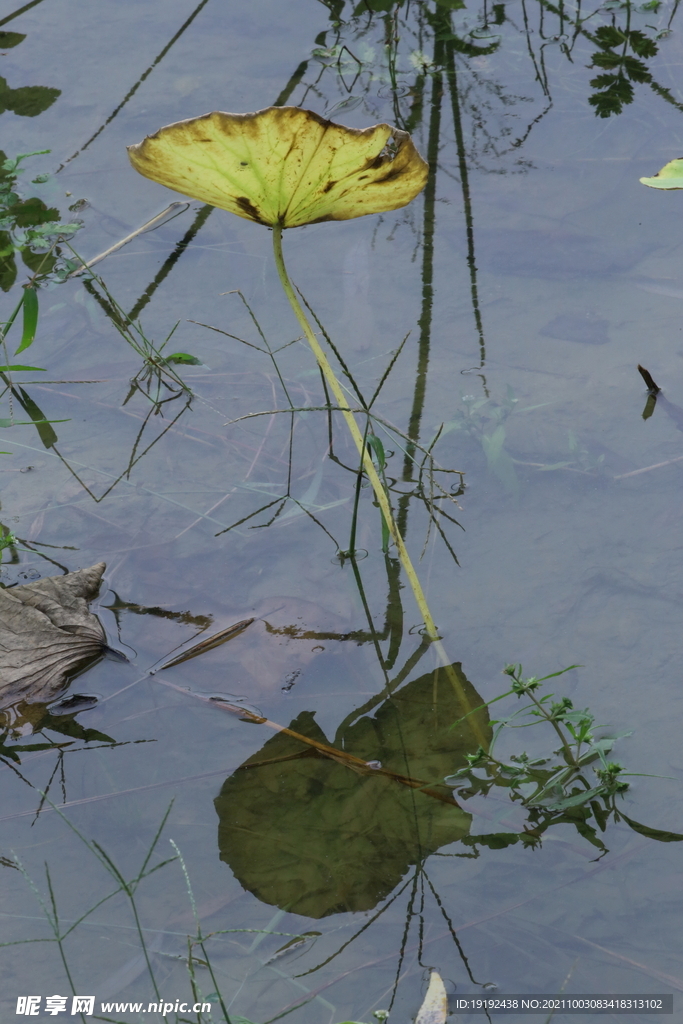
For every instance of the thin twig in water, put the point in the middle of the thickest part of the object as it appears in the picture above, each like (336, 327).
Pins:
(150, 225)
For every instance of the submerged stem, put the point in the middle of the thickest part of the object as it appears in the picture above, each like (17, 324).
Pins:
(368, 465)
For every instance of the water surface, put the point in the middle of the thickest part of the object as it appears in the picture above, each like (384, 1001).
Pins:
(532, 277)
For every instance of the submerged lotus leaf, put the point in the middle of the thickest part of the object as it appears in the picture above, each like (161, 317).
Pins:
(46, 631)
(670, 176)
(313, 837)
(284, 165)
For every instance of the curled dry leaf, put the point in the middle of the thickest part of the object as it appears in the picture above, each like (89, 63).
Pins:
(670, 176)
(434, 1009)
(284, 165)
(46, 631)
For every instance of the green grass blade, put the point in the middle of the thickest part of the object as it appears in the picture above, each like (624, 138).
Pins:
(41, 423)
(30, 318)
(17, 366)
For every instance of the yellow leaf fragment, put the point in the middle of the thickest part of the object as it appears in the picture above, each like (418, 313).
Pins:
(284, 165)
(434, 1009)
(670, 176)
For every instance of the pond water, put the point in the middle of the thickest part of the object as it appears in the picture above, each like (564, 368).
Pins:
(531, 278)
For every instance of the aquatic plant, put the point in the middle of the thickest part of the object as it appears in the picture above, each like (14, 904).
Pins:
(32, 230)
(286, 167)
(553, 789)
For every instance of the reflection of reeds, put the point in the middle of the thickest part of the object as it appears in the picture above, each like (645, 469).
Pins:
(143, 963)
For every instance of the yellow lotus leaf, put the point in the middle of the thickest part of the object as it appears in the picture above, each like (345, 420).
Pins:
(284, 165)
(670, 176)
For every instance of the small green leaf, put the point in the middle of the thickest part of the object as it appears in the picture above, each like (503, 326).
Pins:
(184, 358)
(41, 423)
(30, 318)
(493, 840)
(607, 60)
(642, 44)
(618, 92)
(577, 800)
(10, 39)
(609, 36)
(376, 446)
(636, 70)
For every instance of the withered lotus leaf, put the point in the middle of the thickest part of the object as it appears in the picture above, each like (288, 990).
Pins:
(284, 165)
(46, 631)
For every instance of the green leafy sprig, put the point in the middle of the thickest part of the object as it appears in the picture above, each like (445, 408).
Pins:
(556, 788)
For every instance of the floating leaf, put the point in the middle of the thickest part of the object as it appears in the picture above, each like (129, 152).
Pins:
(184, 358)
(670, 176)
(434, 1009)
(283, 165)
(46, 631)
(209, 643)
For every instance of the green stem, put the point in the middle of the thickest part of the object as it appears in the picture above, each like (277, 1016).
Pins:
(342, 402)
(369, 468)
(568, 756)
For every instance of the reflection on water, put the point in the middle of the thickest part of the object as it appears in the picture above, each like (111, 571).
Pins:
(312, 837)
(493, 330)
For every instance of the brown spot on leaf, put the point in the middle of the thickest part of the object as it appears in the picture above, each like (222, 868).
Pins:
(248, 207)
